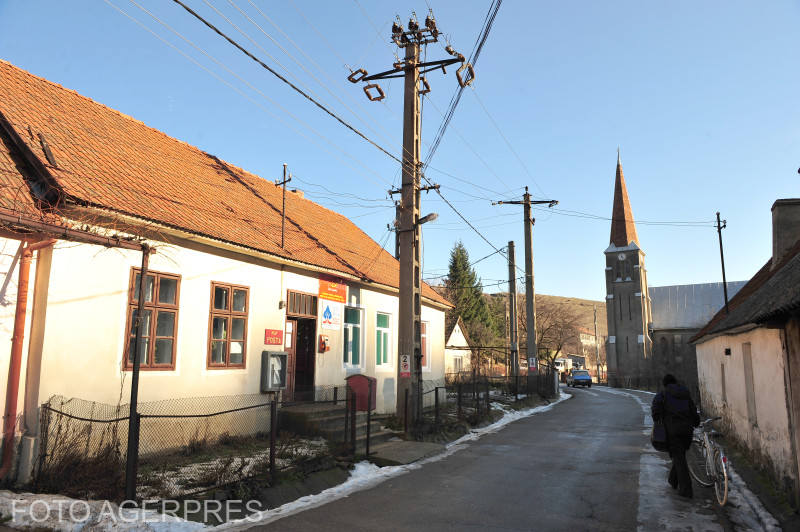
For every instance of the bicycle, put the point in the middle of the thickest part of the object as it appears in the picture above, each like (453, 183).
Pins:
(709, 472)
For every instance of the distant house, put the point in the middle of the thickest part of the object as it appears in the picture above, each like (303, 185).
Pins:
(457, 347)
(86, 193)
(748, 357)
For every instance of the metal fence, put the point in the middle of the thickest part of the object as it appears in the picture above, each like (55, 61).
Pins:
(468, 396)
(185, 446)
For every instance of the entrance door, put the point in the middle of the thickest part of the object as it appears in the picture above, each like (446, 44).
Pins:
(290, 346)
(305, 349)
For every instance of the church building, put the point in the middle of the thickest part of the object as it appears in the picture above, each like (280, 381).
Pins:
(627, 302)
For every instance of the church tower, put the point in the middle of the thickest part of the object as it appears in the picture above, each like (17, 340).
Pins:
(627, 303)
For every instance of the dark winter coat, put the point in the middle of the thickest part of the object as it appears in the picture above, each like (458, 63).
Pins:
(674, 406)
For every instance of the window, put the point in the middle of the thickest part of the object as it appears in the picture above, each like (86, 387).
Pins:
(159, 322)
(458, 364)
(301, 305)
(352, 336)
(227, 343)
(383, 346)
(425, 342)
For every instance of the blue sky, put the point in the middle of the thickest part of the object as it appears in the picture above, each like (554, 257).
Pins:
(700, 97)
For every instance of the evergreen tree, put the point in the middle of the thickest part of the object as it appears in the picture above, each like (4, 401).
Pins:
(465, 290)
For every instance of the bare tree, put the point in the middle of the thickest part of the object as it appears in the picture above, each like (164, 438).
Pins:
(557, 326)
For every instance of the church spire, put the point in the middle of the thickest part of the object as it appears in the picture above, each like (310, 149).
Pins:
(623, 229)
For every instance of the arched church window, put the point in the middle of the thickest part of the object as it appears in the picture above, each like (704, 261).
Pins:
(627, 270)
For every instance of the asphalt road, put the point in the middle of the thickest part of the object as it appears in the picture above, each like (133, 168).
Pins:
(583, 465)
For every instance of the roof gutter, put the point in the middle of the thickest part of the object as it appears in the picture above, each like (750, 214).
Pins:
(12, 393)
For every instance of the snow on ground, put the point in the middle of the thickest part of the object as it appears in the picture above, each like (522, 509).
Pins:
(658, 509)
(69, 515)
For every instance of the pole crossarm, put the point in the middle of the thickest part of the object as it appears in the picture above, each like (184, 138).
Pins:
(402, 67)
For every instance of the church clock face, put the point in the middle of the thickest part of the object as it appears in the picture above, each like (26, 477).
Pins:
(621, 256)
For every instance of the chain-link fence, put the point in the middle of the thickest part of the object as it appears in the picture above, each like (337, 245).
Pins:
(185, 446)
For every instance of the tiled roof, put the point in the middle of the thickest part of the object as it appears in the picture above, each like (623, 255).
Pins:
(623, 228)
(104, 159)
(771, 293)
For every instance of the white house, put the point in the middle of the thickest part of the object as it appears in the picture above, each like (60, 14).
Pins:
(86, 191)
(748, 357)
(457, 349)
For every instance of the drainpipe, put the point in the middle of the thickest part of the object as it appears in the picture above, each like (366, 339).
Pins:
(10, 416)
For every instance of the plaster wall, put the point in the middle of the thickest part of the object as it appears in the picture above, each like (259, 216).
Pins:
(769, 436)
(457, 339)
(83, 334)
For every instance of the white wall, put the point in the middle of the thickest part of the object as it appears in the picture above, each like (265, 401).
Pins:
(84, 333)
(457, 339)
(770, 435)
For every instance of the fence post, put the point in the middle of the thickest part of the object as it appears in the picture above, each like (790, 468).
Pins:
(132, 468)
(346, 416)
(477, 397)
(459, 401)
(436, 406)
(353, 418)
(405, 413)
(488, 408)
(369, 413)
(516, 388)
(273, 427)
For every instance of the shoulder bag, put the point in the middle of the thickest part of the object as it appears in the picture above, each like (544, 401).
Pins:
(658, 436)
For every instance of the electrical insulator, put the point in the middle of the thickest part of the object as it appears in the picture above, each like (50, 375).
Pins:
(449, 50)
(412, 25)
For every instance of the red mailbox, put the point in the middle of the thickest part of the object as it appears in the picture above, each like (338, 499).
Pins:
(365, 389)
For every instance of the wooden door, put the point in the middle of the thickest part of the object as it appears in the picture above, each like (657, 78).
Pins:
(290, 346)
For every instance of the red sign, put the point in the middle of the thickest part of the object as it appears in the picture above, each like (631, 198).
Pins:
(332, 291)
(273, 336)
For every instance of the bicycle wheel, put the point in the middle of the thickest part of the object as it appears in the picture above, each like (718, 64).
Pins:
(721, 477)
(698, 464)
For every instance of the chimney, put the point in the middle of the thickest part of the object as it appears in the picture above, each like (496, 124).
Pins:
(300, 193)
(785, 227)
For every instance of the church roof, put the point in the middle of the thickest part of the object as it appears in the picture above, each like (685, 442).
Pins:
(623, 228)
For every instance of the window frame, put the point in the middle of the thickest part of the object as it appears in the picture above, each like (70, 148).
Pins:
(387, 332)
(154, 307)
(230, 315)
(347, 359)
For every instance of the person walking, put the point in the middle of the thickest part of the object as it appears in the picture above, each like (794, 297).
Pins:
(674, 407)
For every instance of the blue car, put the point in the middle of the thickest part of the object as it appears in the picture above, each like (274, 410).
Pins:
(579, 377)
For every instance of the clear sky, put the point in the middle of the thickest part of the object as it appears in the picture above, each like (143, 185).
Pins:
(701, 98)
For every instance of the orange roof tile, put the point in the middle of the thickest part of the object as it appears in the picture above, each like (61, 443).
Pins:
(103, 158)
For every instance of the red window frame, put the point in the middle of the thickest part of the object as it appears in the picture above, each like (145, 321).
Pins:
(225, 338)
(152, 336)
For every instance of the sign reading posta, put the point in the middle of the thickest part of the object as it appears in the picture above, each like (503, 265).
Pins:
(332, 291)
(273, 337)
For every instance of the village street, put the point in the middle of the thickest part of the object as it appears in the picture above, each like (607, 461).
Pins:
(584, 465)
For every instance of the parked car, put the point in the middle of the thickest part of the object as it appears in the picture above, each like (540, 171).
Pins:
(579, 377)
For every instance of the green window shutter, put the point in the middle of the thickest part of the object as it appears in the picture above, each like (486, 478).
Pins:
(352, 316)
(383, 321)
(378, 346)
(356, 346)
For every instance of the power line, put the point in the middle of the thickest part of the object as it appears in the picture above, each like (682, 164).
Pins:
(264, 65)
(484, 34)
(249, 85)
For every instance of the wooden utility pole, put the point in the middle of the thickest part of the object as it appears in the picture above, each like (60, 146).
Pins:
(530, 298)
(512, 304)
(596, 346)
(720, 226)
(409, 367)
